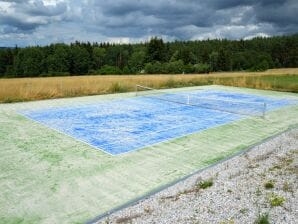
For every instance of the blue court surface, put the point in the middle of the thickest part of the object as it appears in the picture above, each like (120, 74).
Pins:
(123, 125)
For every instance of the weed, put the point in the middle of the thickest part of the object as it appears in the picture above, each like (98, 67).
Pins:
(275, 167)
(258, 192)
(107, 221)
(228, 222)
(276, 200)
(269, 184)
(148, 210)
(12, 100)
(286, 161)
(170, 83)
(252, 166)
(287, 187)
(243, 210)
(178, 195)
(205, 184)
(263, 219)
(127, 219)
(211, 211)
(171, 197)
(289, 161)
(118, 88)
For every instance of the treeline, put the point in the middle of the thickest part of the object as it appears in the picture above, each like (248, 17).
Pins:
(153, 57)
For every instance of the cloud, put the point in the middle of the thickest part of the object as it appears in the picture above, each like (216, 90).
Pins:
(217, 4)
(39, 8)
(28, 15)
(279, 13)
(45, 21)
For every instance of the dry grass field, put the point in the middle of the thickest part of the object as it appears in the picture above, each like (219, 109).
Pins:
(25, 89)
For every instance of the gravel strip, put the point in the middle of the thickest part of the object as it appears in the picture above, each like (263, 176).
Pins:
(261, 181)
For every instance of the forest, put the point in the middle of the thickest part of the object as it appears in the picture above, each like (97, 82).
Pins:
(152, 57)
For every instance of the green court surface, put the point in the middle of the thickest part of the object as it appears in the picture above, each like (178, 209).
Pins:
(49, 177)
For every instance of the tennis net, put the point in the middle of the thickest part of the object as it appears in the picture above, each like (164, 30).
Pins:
(231, 106)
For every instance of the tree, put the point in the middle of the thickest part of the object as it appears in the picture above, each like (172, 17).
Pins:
(155, 56)
(155, 50)
(213, 61)
(3, 62)
(184, 54)
(261, 66)
(174, 67)
(108, 69)
(137, 60)
(175, 56)
(29, 62)
(80, 59)
(59, 61)
(153, 68)
(122, 57)
(98, 56)
(224, 60)
(202, 68)
(238, 62)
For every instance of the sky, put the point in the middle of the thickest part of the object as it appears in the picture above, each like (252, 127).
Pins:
(41, 22)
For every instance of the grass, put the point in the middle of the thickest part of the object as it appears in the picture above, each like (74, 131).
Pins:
(243, 210)
(205, 184)
(27, 89)
(258, 192)
(269, 185)
(263, 219)
(287, 187)
(117, 88)
(228, 222)
(276, 200)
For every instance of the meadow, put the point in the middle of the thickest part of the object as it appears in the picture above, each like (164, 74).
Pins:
(28, 89)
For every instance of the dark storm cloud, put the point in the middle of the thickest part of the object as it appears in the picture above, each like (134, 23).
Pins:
(170, 17)
(17, 24)
(96, 20)
(279, 13)
(28, 15)
(275, 12)
(218, 4)
(152, 17)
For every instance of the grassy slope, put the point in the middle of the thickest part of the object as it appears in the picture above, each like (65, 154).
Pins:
(46, 177)
(14, 90)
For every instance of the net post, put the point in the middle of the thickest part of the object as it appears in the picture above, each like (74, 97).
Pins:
(264, 110)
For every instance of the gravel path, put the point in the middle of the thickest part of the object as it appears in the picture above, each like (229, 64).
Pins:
(261, 181)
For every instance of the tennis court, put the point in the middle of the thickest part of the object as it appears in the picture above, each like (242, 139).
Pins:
(72, 160)
(124, 125)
